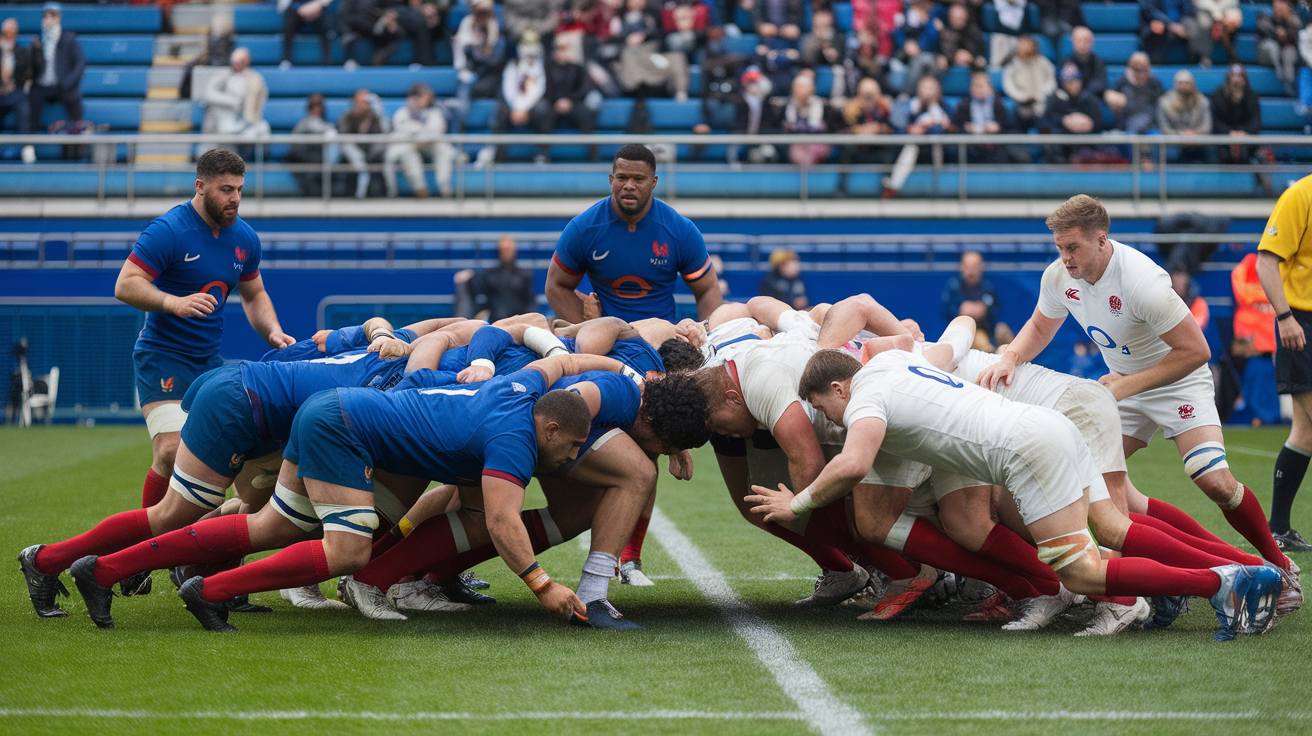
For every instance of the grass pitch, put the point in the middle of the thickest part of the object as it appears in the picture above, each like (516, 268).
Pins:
(509, 668)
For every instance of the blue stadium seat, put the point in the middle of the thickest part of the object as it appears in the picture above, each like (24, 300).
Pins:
(1263, 79)
(266, 49)
(383, 81)
(615, 114)
(1278, 114)
(118, 49)
(1250, 11)
(990, 23)
(121, 115)
(673, 115)
(260, 18)
(1111, 17)
(114, 81)
(744, 44)
(843, 16)
(480, 115)
(91, 18)
(1114, 48)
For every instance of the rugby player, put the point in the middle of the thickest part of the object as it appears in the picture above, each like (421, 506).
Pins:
(1157, 356)
(899, 402)
(631, 246)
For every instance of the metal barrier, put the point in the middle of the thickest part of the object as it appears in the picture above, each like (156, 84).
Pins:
(1145, 152)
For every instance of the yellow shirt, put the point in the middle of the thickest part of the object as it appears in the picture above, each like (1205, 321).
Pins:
(1288, 236)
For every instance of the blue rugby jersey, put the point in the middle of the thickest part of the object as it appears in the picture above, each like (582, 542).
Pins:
(633, 352)
(620, 397)
(277, 389)
(633, 273)
(180, 253)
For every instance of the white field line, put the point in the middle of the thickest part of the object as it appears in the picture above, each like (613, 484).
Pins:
(651, 715)
(822, 711)
(584, 540)
(1251, 451)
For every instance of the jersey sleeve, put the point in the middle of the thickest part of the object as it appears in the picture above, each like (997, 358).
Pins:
(571, 250)
(768, 391)
(620, 399)
(1288, 221)
(511, 456)
(869, 401)
(251, 266)
(1156, 303)
(154, 249)
(694, 261)
(1050, 298)
(344, 339)
(488, 343)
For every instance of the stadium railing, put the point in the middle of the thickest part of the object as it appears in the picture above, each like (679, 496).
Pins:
(1150, 173)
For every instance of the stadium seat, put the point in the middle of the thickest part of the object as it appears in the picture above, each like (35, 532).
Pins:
(1114, 48)
(92, 18)
(118, 49)
(259, 18)
(1250, 11)
(266, 49)
(744, 44)
(990, 23)
(383, 81)
(1279, 114)
(1111, 17)
(843, 16)
(674, 115)
(114, 81)
(120, 115)
(1263, 79)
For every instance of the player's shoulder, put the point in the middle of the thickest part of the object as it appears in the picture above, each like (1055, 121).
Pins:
(173, 222)
(670, 217)
(245, 231)
(1138, 270)
(1054, 274)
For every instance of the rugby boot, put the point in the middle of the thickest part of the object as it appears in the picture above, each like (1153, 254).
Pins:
(97, 597)
(41, 588)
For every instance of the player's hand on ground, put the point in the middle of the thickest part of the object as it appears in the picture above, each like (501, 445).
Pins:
(561, 601)
(774, 506)
(281, 340)
(1291, 334)
(681, 465)
(1001, 373)
(391, 348)
(320, 338)
(191, 306)
(474, 374)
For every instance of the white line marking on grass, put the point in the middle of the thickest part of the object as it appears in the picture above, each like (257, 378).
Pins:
(824, 712)
(584, 540)
(651, 715)
(1251, 451)
(306, 715)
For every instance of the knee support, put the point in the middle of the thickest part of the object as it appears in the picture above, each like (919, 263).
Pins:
(1204, 459)
(361, 520)
(205, 495)
(295, 508)
(167, 417)
(1059, 552)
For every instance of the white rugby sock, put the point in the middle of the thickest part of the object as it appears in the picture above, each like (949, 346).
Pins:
(597, 572)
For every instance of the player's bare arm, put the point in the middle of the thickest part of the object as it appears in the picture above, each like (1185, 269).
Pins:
(558, 366)
(257, 305)
(1188, 351)
(861, 312)
(560, 293)
(136, 288)
(1032, 339)
(796, 437)
(502, 501)
(706, 290)
(838, 478)
(1268, 272)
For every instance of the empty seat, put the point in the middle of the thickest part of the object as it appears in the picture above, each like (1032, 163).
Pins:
(120, 115)
(261, 18)
(118, 48)
(91, 19)
(114, 81)
(1111, 17)
(383, 81)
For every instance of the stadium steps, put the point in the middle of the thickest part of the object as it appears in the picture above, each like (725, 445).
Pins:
(194, 18)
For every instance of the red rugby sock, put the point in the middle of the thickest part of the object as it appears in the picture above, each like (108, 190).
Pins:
(1159, 509)
(1219, 549)
(824, 555)
(1007, 549)
(152, 492)
(213, 540)
(1250, 520)
(110, 535)
(828, 526)
(931, 546)
(633, 550)
(297, 566)
(1136, 576)
(1144, 541)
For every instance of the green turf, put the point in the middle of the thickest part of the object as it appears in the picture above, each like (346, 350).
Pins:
(926, 672)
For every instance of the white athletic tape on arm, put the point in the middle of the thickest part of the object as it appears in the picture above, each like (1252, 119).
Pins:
(295, 508)
(359, 520)
(484, 363)
(1203, 459)
(166, 418)
(543, 342)
(802, 503)
(197, 491)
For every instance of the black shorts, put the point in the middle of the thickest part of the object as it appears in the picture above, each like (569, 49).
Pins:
(1294, 369)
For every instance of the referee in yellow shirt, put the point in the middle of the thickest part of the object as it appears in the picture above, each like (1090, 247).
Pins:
(1284, 265)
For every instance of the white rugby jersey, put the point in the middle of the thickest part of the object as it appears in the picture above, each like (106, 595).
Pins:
(769, 372)
(1123, 313)
(733, 332)
(933, 417)
(1032, 384)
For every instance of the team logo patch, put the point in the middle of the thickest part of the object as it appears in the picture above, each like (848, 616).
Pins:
(630, 287)
(1114, 304)
(660, 250)
(596, 257)
(519, 387)
(166, 384)
(1186, 411)
(237, 460)
(1272, 231)
(241, 253)
(1073, 294)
